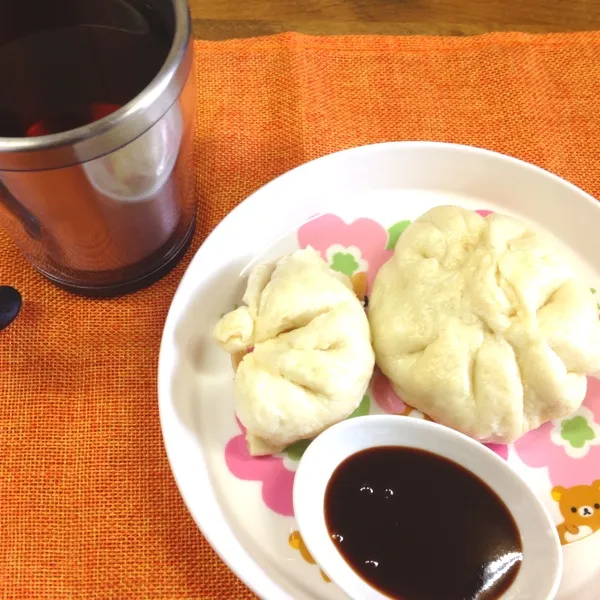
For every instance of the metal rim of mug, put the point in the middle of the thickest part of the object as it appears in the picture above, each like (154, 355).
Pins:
(116, 130)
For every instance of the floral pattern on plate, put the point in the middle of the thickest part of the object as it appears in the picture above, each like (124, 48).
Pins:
(567, 449)
(276, 478)
(357, 247)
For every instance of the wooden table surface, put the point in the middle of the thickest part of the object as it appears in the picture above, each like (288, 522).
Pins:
(222, 19)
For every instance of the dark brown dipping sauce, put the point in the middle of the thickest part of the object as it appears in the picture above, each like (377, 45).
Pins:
(417, 526)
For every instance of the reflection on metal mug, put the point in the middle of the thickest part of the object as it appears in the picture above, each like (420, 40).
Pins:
(139, 170)
(134, 183)
(97, 183)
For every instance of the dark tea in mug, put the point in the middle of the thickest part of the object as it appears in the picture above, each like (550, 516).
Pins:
(97, 113)
(66, 63)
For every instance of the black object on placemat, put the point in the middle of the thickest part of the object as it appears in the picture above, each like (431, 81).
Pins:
(10, 305)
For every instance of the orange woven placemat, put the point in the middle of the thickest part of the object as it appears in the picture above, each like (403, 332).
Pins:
(88, 506)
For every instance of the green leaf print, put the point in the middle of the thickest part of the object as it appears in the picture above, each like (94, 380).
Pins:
(394, 232)
(577, 432)
(344, 263)
(296, 450)
(362, 409)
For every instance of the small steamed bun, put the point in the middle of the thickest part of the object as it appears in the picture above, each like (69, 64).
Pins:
(311, 358)
(481, 324)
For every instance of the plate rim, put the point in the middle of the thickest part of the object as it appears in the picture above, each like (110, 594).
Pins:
(240, 561)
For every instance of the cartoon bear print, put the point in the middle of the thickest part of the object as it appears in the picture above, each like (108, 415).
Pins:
(580, 508)
(297, 543)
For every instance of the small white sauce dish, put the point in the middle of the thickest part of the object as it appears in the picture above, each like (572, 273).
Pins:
(541, 569)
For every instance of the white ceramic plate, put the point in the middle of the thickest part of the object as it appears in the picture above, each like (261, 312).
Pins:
(351, 206)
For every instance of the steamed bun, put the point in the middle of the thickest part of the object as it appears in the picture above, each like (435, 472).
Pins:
(481, 324)
(311, 358)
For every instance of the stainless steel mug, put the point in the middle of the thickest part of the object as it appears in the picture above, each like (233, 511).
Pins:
(97, 112)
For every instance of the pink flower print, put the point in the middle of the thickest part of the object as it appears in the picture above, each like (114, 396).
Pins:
(277, 480)
(484, 213)
(386, 397)
(350, 248)
(500, 449)
(569, 447)
(391, 403)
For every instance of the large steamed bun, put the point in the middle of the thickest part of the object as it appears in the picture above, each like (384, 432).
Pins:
(312, 357)
(481, 324)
